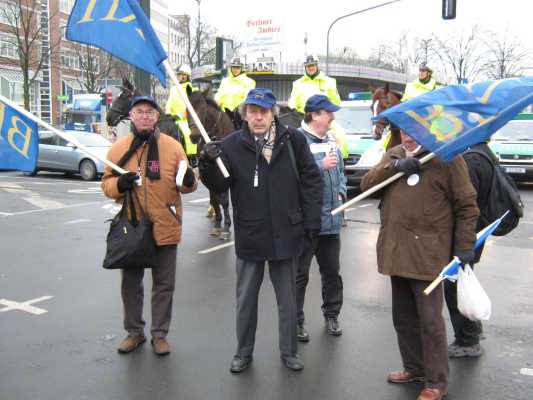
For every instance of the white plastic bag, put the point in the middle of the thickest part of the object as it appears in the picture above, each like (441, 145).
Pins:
(472, 300)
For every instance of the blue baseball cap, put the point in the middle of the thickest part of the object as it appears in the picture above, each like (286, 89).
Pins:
(320, 102)
(144, 99)
(261, 97)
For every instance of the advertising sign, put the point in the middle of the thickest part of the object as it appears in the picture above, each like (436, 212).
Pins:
(263, 42)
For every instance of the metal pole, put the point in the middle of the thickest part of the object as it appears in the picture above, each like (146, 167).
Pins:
(141, 78)
(348, 15)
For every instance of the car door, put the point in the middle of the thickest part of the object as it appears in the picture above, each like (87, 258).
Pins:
(47, 150)
(67, 156)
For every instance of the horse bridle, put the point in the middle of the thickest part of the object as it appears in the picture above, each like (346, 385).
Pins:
(121, 116)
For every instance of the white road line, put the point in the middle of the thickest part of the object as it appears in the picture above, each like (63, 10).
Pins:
(526, 371)
(365, 205)
(202, 200)
(221, 246)
(45, 204)
(59, 208)
(77, 221)
(24, 306)
(4, 213)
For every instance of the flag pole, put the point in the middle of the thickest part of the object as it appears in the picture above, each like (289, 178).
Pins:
(380, 185)
(193, 114)
(59, 133)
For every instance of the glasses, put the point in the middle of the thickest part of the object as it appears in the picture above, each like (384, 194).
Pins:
(149, 113)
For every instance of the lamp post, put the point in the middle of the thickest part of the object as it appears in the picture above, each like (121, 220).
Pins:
(348, 15)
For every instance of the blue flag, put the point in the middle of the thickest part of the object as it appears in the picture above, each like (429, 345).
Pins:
(121, 28)
(19, 140)
(449, 120)
(451, 270)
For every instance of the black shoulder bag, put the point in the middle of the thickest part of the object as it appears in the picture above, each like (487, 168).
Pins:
(130, 243)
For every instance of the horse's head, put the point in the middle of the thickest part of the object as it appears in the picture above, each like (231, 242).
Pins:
(121, 105)
(215, 121)
(382, 99)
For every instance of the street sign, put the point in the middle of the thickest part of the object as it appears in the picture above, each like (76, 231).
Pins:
(62, 97)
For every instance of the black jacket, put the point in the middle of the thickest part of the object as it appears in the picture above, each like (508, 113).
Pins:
(480, 171)
(269, 219)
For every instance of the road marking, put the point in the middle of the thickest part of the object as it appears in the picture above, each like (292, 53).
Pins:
(58, 208)
(24, 306)
(365, 205)
(202, 200)
(43, 203)
(4, 213)
(526, 371)
(93, 190)
(221, 246)
(77, 221)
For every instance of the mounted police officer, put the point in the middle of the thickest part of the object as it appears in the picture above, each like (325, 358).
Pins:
(425, 83)
(233, 90)
(176, 106)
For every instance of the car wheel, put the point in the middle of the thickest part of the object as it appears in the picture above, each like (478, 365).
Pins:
(88, 170)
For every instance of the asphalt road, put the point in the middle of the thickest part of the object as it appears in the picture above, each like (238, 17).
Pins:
(60, 312)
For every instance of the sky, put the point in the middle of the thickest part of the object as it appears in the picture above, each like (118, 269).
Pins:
(366, 30)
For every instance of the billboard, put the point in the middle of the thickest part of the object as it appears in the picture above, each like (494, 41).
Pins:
(263, 42)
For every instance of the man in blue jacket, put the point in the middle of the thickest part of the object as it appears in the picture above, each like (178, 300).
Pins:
(276, 193)
(325, 246)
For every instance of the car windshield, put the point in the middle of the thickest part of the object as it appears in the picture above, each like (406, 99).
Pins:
(355, 120)
(80, 118)
(515, 131)
(92, 139)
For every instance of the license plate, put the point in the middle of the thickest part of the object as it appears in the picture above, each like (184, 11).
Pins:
(515, 170)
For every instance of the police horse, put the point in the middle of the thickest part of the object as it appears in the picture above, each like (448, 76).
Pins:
(382, 99)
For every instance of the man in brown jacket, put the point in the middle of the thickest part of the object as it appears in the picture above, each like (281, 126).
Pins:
(426, 217)
(152, 159)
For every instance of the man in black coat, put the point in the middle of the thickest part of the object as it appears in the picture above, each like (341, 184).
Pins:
(276, 192)
(467, 332)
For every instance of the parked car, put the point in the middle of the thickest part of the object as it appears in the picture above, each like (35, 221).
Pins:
(58, 155)
(355, 118)
(513, 144)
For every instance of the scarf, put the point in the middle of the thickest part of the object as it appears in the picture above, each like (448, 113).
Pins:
(152, 163)
(268, 146)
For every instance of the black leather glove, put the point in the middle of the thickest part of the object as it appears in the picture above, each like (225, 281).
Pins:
(465, 256)
(211, 150)
(311, 234)
(408, 166)
(126, 181)
(189, 178)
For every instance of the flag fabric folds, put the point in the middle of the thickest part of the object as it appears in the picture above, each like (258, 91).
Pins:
(451, 270)
(449, 120)
(19, 140)
(121, 28)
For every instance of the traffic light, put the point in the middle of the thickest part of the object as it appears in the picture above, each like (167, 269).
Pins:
(448, 9)
(103, 98)
(109, 97)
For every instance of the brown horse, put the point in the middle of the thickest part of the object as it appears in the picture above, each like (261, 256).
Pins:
(217, 125)
(382, 99)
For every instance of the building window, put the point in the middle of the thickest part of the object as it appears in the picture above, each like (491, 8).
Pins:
(70, 60)
(65, 6)
(8, 48)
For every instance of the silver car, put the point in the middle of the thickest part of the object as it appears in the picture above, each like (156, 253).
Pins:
(58, 155)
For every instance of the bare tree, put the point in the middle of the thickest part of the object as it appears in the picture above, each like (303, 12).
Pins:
(199, 39)
(25, 32)
(506, 56)
(399, 54)
(464, 54)
(94, 65)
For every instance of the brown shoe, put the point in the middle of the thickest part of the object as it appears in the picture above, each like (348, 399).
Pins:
(431, 394)
(404, 377)
(130, 343)
(160, 346)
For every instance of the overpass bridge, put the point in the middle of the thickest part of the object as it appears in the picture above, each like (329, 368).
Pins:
(350, 78)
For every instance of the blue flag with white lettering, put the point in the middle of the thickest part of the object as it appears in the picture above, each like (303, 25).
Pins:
(449, 120)
(121, 28)
(19, 140)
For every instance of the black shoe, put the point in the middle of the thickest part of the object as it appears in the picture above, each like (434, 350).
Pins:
(292, 362)
(303, 335)
(239, 364)
(332, 325)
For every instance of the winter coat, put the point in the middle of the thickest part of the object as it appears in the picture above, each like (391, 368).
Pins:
(305, 87)
(333, 178)
(233, 91)
(160, 199)
(422, 225)
(269, 219)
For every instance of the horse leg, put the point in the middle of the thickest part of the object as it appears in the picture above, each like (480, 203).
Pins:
(224, 201)
(211, 210)
(217, 222)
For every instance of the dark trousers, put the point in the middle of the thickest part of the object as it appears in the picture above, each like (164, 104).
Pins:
(249, 279)
(421, 331)
(163, 277)
(327, 249)
(467, 332)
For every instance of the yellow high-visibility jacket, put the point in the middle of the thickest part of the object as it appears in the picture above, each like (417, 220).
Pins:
(305, 87)
(175, 105)
(233, 91)
(416, 88)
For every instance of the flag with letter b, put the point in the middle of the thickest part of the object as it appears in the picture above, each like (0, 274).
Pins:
(19, 140)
